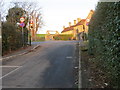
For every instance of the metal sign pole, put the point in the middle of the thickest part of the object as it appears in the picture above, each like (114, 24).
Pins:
(31, 26)
(30, 36)
(22, 19)
(22, 37)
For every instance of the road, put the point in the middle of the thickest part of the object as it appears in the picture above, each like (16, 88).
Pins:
(49, 66)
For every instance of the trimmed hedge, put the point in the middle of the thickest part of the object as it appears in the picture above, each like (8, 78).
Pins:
(104, 39)
(63, 37)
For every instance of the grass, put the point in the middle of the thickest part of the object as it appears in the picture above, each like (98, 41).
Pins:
(84, 47)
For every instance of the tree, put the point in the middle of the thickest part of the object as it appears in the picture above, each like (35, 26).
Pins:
(33, 12)
(11, 32)
(37, 22)
(29, 10)
(14, 15)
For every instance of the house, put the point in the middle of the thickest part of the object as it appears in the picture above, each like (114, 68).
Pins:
(79, 26)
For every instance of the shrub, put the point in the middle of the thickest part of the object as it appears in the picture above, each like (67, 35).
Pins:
(12, 37)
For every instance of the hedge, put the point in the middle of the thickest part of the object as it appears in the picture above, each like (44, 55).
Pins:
(104, 39)
(63, 37)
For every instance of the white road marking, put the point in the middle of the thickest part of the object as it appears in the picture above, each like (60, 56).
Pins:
(80, 77)
(76, 67)
(10, 66)
(12, 56)
(69, 57)
(11, 71)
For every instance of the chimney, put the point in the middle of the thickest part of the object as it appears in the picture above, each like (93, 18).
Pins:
(63, 27)
(78, 19)
(74, 22)
(91, 10)
(69, 24)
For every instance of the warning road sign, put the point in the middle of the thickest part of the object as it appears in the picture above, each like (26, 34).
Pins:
(22, 19)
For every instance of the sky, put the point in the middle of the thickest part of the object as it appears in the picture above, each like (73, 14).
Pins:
(58, 13)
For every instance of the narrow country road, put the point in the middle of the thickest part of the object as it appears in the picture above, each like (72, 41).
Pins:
(49, 66)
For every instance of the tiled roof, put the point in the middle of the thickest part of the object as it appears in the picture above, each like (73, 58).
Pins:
(72, 27)
(68, 28)
(81, 22)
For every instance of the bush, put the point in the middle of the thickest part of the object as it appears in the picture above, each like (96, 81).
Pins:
(11, 33)
(39, 39)
(104, 39)
(12, 37)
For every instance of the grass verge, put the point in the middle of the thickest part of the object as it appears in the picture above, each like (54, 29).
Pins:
(93, 76)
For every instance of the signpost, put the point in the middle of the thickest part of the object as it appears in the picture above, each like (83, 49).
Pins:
(87, 22)
(22, 24)
(30, 27)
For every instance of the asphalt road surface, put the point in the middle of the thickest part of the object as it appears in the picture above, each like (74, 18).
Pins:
(49, 66)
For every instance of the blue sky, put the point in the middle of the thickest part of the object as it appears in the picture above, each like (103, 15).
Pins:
(57, 13)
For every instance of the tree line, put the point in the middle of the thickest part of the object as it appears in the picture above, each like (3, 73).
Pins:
(12, 38)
